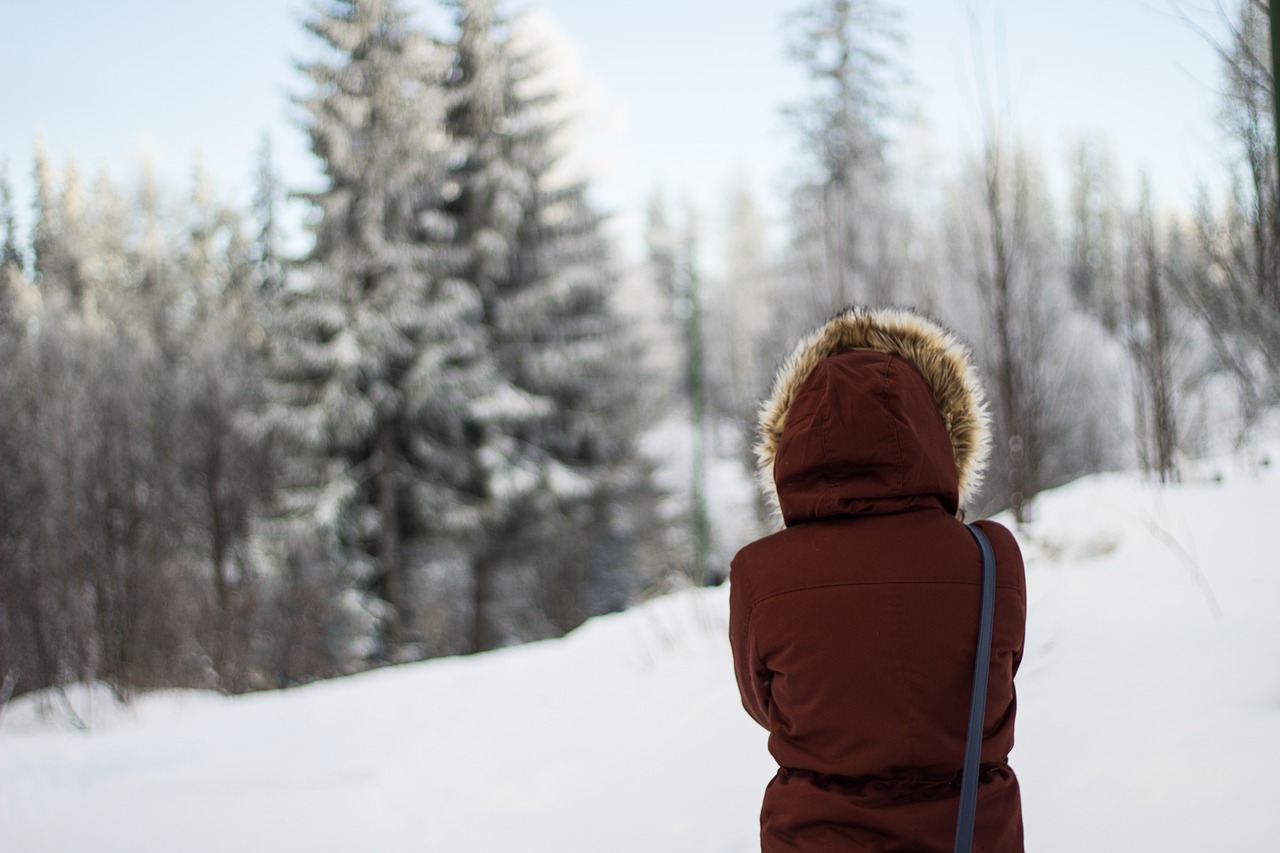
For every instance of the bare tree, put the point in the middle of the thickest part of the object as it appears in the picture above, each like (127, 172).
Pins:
(1003, 241)
(1152, 343)
(1235, 288)
(1093, 264)
(999, 250)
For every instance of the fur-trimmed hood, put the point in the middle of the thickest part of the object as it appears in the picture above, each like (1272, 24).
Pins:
(849, 428)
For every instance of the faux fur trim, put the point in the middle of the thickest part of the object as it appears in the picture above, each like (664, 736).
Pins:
(945, 363)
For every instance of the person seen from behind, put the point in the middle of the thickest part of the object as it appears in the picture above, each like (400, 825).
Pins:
(854, 628)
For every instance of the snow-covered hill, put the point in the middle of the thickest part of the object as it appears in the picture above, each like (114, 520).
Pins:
(1149, 718)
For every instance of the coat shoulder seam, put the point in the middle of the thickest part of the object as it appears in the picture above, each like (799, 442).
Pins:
(879, 582)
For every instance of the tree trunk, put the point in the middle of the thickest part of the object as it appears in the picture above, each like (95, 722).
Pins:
(697, 399)
(1002, 275)
(1274, 20)
(389, 545)
(481, 582)
(1165, 426)
(218, 551)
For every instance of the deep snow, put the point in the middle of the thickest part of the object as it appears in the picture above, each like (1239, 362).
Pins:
(1149, 718)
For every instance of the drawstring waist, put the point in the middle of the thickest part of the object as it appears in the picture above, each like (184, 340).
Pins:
(907, 785)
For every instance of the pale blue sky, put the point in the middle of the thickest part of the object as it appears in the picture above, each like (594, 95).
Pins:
(688, 91)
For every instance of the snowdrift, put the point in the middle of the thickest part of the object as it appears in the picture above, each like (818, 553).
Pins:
(1149, 718)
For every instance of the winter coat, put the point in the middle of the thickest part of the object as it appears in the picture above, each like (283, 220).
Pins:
(854, 628)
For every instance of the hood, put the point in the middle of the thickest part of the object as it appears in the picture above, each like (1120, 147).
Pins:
(877, 411)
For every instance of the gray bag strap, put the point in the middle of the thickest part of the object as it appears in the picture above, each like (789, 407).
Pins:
(978, 702)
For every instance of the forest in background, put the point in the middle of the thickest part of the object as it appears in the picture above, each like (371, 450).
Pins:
(223, 467)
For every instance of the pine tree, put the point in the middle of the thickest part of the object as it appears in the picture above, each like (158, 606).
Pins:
(751, 305)
(266, 251)
(538, 257)
(50, 254)
(847, 236)
(108, 232)
(490, 194)
(11, 260)
(10, 253)
(749, 311)
(152, 255)
(200, 264)
(696, 387)
(74, 227)
(380, 360)
(662, 269)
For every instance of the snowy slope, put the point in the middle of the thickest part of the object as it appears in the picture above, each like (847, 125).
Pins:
(1149, 718)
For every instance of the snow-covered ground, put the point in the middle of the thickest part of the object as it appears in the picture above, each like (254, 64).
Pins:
(1149, 719)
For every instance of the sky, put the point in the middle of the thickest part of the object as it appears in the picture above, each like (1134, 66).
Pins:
(678, 96)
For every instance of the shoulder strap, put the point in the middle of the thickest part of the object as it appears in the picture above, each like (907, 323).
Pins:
(978, 702)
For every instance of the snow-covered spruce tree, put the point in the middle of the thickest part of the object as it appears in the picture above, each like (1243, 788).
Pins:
(12, 262)
(53, 250)
(380, 356)
(15, 598)
(267, 255)
(561, 460)
(849, 235)
(646, 299)
(742, 310)
(158, 289)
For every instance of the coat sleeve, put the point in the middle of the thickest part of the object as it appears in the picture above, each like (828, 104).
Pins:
(753, 678)
(1011, 573)
(1022, 624)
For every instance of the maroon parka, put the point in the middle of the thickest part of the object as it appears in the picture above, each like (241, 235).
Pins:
(854, 629)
